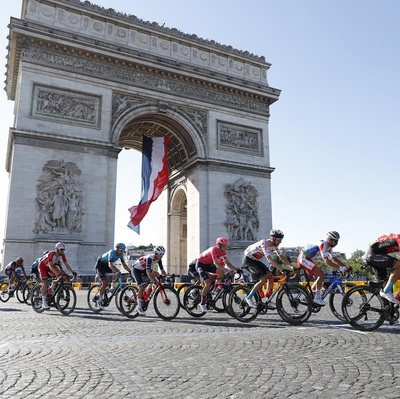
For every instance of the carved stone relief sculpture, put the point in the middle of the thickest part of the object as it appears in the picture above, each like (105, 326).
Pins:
(59, 198)
(241, 211)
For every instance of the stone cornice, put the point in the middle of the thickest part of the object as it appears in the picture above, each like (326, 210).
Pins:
(48, 140)
(127, 20)
(22, 32)
(224, 167)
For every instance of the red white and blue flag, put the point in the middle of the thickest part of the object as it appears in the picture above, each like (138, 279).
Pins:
(154, 177)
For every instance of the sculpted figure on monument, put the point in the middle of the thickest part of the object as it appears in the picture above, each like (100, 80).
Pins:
(59, 197)
(241, 211)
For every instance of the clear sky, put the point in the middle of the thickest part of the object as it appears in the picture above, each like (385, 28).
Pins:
(334, 133)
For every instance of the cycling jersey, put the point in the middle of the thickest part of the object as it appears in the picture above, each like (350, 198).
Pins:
(111, 256)
(52, 257)
(13, 267)
(260, 249)
(211, 254)
(322, 247)
(147, 262)
(386, 244)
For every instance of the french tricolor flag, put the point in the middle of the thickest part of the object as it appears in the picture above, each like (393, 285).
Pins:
(154, 177)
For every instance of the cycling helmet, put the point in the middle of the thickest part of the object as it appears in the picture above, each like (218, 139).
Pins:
(334, 235)
(277, 233)
(60, 245)
(159, 250)
(19, 261)
(222, 241)
(120, 245)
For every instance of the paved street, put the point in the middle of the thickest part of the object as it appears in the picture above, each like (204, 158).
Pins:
(87, 355)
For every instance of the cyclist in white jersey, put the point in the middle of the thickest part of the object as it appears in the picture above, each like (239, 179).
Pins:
(258, 260)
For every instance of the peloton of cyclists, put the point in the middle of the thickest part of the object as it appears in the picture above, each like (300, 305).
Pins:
(212, 260)
(379, 255)
(142, 271)
(49, 266)
(325, 249)
(105, 265)
(258, 259)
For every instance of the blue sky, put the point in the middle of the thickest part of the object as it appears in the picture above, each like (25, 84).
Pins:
(334, 134)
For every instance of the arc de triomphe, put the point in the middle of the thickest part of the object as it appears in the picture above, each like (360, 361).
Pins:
(88, 82)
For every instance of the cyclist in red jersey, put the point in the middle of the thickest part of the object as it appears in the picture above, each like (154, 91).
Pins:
(212, 260)
(48, 268)
(381, 255)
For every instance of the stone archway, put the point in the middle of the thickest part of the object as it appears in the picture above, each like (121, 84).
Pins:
(89, 81)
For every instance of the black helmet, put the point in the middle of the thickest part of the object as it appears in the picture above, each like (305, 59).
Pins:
(277, 233)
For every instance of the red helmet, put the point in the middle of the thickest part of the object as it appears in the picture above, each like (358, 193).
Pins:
(222, 241)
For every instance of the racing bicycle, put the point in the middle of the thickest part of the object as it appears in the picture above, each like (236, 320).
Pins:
(63, 297)
(336, 290)
(293, 302)
(164, 296)
(113, 290)
(365, 310)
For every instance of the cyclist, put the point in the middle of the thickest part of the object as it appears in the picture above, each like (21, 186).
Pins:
(142, 271)
(325, 249)
(192, 272)
(380, 255)
(34, 267)
(49, 266)
(12, 270)
(212, 260)
(105, 264)
(258, 259)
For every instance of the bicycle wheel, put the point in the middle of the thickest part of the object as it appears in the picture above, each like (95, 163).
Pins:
(192, 299)
(166, 303)
(19, 293)
(93, 297)
(65, 300)
(363, 308)
(116, 296)
(27, 293)
(238, 307)
(181, 292)
(128, 301)
(293, 304)
(4, 294)
(336, 298)
(36, 298)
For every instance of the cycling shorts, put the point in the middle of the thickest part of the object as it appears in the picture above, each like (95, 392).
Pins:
(102, 269)
(306, 263)
(203, 270)
(140, 276)
(380, 263)
(45, 271)
(257, 268)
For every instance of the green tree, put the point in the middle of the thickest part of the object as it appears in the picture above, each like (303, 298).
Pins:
(357, 263)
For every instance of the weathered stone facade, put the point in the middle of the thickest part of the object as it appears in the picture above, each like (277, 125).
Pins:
(88, 82)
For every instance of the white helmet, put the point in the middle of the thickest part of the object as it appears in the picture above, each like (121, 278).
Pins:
(334, 235)
(60, 245)
(159, 250)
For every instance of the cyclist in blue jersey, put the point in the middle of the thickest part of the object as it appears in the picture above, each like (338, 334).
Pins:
(325, 249)
(34, 267)
(142, 271)
(105, 264)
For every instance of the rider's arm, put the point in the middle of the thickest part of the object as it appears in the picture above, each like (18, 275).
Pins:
(160, 265)
(274, 263)
(68, 267)
(229, 264)
(125, 266)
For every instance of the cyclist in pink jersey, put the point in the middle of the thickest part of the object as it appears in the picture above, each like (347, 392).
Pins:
(325, 249)
(258, 260)
(212, 260)
(383, 254)
(48, 267)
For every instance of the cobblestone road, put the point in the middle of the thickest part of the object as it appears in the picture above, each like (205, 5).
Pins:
(87, 355)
